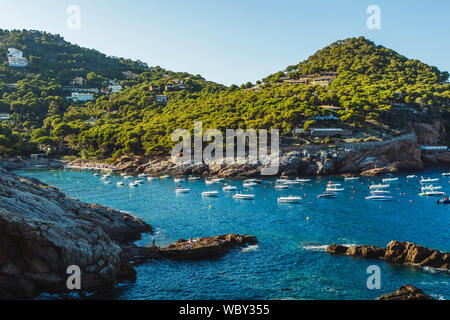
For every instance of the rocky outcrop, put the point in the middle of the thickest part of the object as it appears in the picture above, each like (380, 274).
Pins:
(43, 232)
(407, 292)
(199, 248)
(397, 252)
(208, 247)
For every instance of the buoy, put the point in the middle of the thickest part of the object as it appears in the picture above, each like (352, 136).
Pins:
(99, 188)
(411, 201)
(210, 206)
(307, 218)
(131, 195)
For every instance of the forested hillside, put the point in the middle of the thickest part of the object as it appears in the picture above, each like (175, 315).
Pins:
(374, 88)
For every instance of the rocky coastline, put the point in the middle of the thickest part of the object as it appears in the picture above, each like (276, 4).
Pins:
(43, 232)
(406, 292)
(397, 252)
(403, 153)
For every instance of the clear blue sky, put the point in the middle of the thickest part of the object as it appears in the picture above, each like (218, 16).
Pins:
(236, 41)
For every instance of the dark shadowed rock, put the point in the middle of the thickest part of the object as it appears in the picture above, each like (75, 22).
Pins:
(336, 249)
(407, 292)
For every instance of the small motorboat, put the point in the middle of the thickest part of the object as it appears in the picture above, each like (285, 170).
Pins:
(303, 180)
(351, 178)
(96, 174)
(123, 174)
(281, 186)
(120, 183)
(334, 189)
(243, 196)
(178, 180)
(217, 180)
(289, 182)
(165, 177)
(151, 178)
(379, 197)
(378, 191)
(194, 178)
(104, 178)
(389, 180)
(281, 180)
(208, 181)
(107, 182)
(253, 180)
(428, 180)
(127, 177)
(229, 188)
(182, 190)
(327, 195)
(412, 176)
(333, 184)
(290, 199)
(379, 186)
(139, 181)
(142, 175)
(210, 193)
(431, 188)
(249, 184)
(432, 194)
(133, 184)
(443, 201)
(445, 174)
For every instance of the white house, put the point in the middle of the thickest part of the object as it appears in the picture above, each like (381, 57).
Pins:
(81, 96)
(15, 58)
(4, 116)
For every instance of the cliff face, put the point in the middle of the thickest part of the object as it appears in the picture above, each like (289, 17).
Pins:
(43, 232)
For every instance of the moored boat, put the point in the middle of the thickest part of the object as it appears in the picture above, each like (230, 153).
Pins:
(379, 197)
(210, 193)
(243, 196)
(289, 199)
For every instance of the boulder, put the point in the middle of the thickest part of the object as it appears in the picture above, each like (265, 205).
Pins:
(407, 292)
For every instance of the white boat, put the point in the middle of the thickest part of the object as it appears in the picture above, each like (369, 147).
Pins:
(412, 176)
(123, 174)
(182, 190)
(139, 181)
(379, 197)
(290, 199)
(229, 188)
(431, 188)
(379, 186)
(333, 184)
(289, 182)
(178, 180)
(327, 195)
(388, 180)
(151, 178)
(127, 177)
(133, 184)
(210, 194)
(165, 177)
(142, 175)
(282, 180)
(107, 182)
(281, 186)
(445, 174)
(249, 184)
(351, 178)
(303, 180)
(120, 183)
(334, 189)
(253, 180)
(194, 178)
(244, 196)
(217, 180)
(104, 178)
(432, 193)
(428, 180)
(96, 174)
(377, 191)
(208, 181)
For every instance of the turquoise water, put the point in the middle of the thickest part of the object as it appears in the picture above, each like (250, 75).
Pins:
(289, 261)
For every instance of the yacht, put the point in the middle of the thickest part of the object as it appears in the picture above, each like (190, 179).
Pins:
(182, 190)
(281, 186)
(379, 197)
(379, 186)
(388, 180)
(249, 184)
(432, 193)
(253, 180)
(290, 199)
(244, 196)
(351, 178)
(378, 191)
(303, 180)
(334, 189)
(327, 195)
(210, 194)
(428, 180)
(229, 188)
(431, 188)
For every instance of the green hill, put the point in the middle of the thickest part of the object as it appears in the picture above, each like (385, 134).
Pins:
(373, 90)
